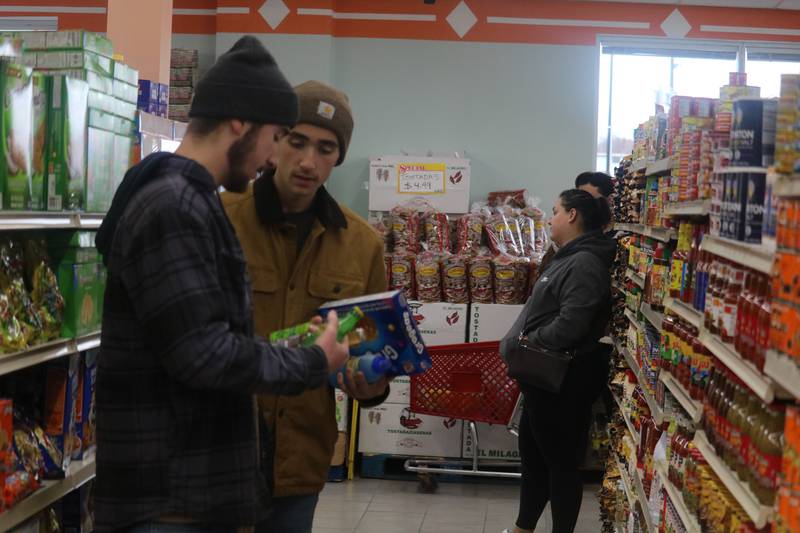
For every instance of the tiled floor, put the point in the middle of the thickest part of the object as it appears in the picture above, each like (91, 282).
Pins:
(382, 506)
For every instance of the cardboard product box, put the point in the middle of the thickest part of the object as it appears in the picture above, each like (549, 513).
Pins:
(79, 40)
(152, 108)
(85, 421)
(69, 105)
(33, 40)
(180, 95)
(60, 59)
(394, 429)
(494, 443)
(342, 422)
(490, 322)
(42, 87)
(78, 285)
(100, 160)
(147, 92)
(125, 110)
(60, 401)
(183, 57)
(441, 323)
(125, 92)
(400, 391)
(28, 59)
(16, 146)
(163, 111)
(103, 102)
(121, 162)
(11, 46)
(163, 93)
(123, 72)
(182, 77)
(97, 82)
(179, 112)
(103, 120)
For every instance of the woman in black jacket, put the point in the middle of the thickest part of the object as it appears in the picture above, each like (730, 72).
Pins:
(569, 309)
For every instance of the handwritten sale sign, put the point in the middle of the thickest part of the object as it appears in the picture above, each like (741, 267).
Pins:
(443, 182)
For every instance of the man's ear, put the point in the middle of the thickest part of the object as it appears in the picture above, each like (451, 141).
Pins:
(237, 127)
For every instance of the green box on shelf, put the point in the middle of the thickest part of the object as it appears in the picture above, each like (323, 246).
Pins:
(78, 285)
(97, 82)
(99, 169)
(123, 72)
(79, 40)
(71, 246)
(16, 135)
(100, 287)
(74, 59)
(68, 141)
(42, 88)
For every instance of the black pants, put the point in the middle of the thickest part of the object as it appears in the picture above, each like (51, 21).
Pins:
(553, 436)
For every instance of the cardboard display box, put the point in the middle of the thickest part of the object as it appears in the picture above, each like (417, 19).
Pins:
(494, 443)
(441, 323)
(394, 429)
(490, 322)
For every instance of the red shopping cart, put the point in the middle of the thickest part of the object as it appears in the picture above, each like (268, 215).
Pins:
(469, 382)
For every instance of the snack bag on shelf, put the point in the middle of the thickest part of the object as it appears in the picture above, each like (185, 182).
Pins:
(387, 263)
(45, 294)
(12, 284)
(510, 279)
(516, 198)
(381, 223)
(60, 404)
(405, 228)
(469, 232)
(481, 287)
(437, 231)
(429, 278)
(455, 280)
(402, 275)
(502, 230)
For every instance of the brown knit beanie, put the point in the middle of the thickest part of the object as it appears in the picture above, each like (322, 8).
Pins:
(324, 106)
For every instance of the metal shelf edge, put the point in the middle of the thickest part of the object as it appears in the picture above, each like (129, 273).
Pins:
(757, 257)
(759, 514)
(685, 312)
(758, 383)
(784, 371)
(693, 408)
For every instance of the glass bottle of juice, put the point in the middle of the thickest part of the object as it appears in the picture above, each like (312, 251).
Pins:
(742, 314)
(763, 326)
(729, 305)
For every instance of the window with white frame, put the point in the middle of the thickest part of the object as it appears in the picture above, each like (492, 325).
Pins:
(636, 75)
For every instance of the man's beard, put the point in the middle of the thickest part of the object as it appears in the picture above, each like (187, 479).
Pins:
(238, 154)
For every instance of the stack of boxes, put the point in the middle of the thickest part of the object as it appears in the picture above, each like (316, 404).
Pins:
(71, 114)
(153, 98)
(787, 140)
(183, 79)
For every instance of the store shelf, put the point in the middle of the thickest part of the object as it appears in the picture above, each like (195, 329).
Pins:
(788, 186)
(636, 278)
(689, 520)
(79, 472)
(692, 407)
(632, 430)
(659, 234)
(642, 495)
(655, 410)
(697, 208)
(635, 321)
(759, 514)
(654, 317)
(757, 257)
(684, 311)
(662, 166)
(760, 384)
(45, 352)
(784, 371)
(639, 165)
(18, 220)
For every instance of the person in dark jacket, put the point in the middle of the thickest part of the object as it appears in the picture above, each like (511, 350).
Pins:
(177, 434)
(567, 311)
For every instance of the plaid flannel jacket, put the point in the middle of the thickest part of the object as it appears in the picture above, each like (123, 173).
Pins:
(178, 363)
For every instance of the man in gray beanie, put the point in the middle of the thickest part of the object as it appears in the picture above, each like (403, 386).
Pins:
(177, 431)
(304, 249)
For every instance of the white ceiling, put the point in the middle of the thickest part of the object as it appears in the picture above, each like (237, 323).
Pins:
(764, 4)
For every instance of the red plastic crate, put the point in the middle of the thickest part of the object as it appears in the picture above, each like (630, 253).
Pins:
(467, 381)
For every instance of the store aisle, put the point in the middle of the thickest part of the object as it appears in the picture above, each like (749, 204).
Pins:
(382, 506)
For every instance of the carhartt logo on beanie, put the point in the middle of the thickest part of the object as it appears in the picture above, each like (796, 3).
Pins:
(246, 84)
(324, 106)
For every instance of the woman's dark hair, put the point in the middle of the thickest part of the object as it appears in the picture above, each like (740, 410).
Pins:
(601, 180)
(594, 212)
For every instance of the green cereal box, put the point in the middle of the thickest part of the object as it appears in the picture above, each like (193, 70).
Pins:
(42, 86)
(123, 145)
(98, 173)
(16, 135)
(73, 59)
(79, 40)
(97, 82)
(68, 137)
(78, 285)
(70, 246)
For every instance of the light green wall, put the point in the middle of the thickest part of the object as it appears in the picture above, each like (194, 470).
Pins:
(524, 114)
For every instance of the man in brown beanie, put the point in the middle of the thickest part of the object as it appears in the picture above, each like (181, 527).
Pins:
(177, 429)
(304, 249)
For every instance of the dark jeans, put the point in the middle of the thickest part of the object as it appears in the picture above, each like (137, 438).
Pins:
(292, 514)
(553, 436)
